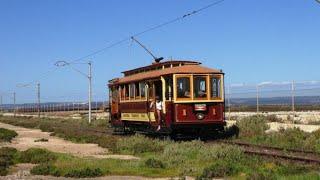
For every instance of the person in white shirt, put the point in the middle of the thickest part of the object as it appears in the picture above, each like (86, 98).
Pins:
(159, 108)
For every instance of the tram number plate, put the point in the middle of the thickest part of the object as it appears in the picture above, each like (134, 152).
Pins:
(200, 107)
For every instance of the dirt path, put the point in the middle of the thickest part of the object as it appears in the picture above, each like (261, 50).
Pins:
(26, 139)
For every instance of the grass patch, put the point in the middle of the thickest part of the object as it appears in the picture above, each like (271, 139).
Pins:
(36, 156)
(7, 158)
(252, 129)
(7, 135)
(83, 173)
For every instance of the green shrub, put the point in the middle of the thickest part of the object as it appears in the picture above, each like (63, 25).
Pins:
(35, 155)
(273, 118)
(46, 127)
(7, 135)
(291, 138)
(45, 169)
(154, 163)
(220, 168)
(138, 144)
(252, 126)
(83, 173)
(7, 156)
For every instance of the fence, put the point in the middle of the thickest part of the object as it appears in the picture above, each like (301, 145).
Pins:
(287, 98)
(290, 97)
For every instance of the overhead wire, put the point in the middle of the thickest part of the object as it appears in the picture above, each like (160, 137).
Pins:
(191, 13)
(150, 29)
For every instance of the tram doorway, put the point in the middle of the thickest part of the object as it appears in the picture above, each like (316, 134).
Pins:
(158, 89)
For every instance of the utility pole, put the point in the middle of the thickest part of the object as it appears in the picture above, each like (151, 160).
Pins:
(14, 104)
(89, 76)
(90, 90)
(257, 99)
(0, 103)
(38, 94)
(229, 105)
(293, 97)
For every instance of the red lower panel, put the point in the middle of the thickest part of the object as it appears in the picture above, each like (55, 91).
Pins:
(186, 113)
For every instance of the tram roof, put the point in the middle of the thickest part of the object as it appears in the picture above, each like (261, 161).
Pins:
(159, 69)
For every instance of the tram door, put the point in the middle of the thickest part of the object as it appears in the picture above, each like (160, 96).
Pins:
(114, 101)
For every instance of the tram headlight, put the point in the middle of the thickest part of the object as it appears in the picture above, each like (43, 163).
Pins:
(200, 116)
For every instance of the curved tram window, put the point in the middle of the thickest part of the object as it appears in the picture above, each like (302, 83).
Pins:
(215, 87)
(200, 86)
(183, 87)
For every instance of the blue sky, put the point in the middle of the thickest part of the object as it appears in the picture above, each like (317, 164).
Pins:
(252, 41)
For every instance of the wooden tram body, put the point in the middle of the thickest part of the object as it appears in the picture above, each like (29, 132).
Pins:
(192, 96)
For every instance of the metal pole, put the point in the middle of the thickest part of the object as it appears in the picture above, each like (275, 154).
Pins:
(0, 103)
(38, 94)
(90, 90)
(293, 97)
(229, 107)
(257, 99)
(14, 104)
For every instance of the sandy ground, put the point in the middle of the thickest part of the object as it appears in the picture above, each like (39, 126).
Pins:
(26, 139)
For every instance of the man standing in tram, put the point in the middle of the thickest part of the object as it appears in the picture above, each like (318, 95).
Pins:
(158, 110)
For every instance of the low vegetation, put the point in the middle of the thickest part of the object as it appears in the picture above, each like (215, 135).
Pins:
(7, 135)
(253, 129)
(164, 158)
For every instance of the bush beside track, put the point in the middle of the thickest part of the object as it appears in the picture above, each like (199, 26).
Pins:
(7, 135)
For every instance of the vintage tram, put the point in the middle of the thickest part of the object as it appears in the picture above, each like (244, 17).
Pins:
(192, 96)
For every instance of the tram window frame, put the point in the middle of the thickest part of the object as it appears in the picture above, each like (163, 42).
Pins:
(142, 90)
(121, 92)
(219, 89)
(137, 91)
(179, 98)
(131, 91)
(169, 85)
(126, 92)
(195, 89)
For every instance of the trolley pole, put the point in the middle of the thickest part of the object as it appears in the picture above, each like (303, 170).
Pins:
(14, 104)
(90, 90)
(38, 95)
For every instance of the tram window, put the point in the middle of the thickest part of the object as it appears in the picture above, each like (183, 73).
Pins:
(131, 89)
(137, 91)
(114, 92)
(126, 91)
(215, 87)
(183, 87)
(121, 95)
(142, 86)
(200, 86)
(168, 88)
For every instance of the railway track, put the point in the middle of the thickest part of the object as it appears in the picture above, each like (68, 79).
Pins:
(276, 152)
